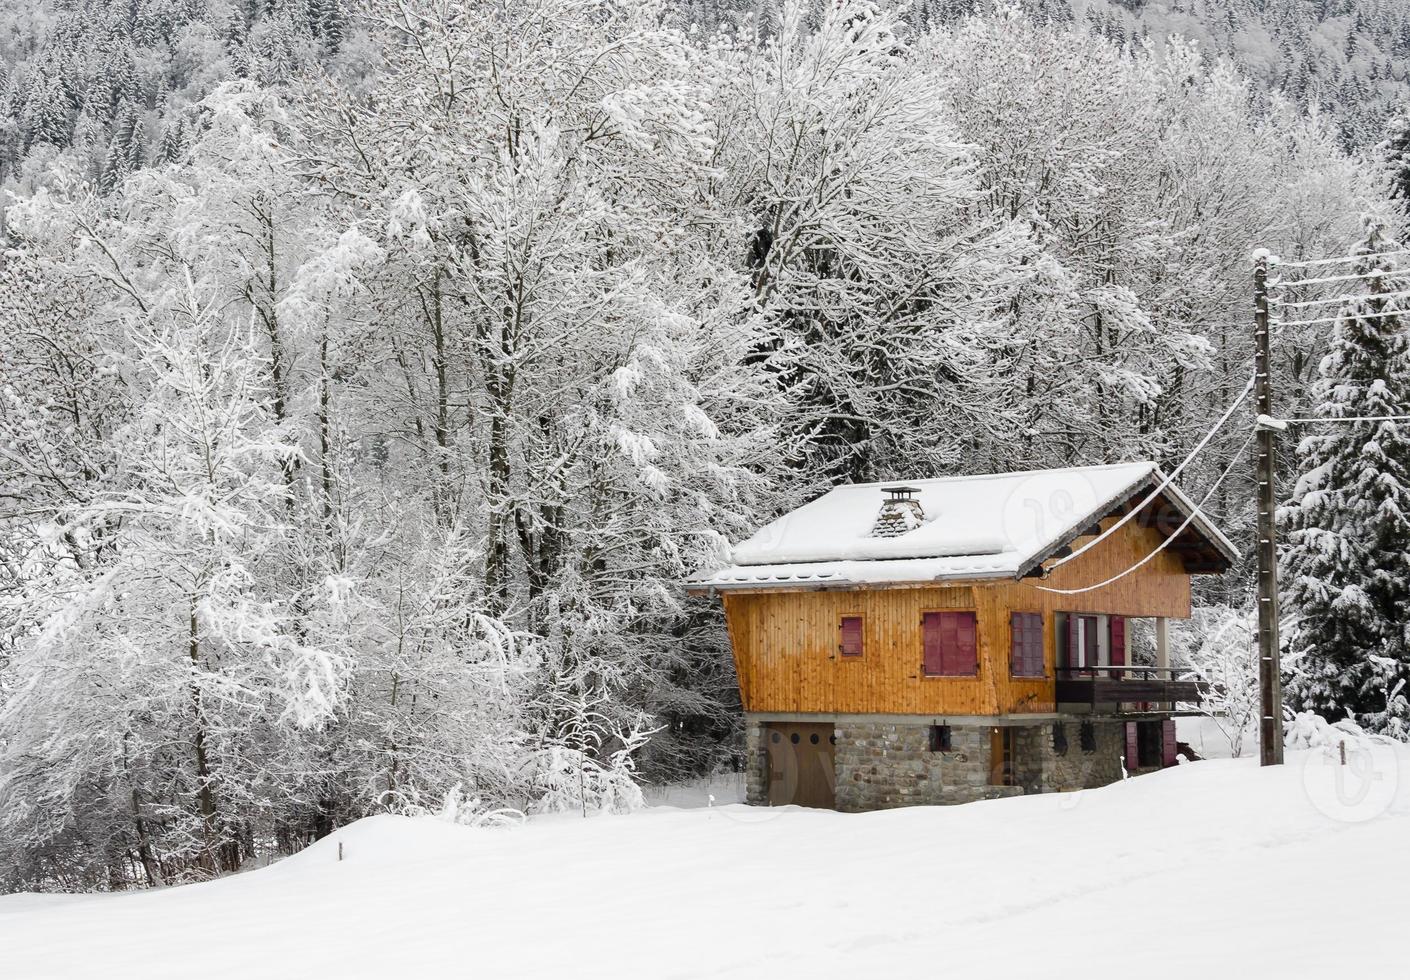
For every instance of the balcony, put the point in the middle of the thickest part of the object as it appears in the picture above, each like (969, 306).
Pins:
(1106, 687)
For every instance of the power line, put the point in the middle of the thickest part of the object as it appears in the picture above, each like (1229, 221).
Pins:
(1197, 512)
(1353, 418)
(1334, 319)
(1164, 483)
(1309, 263)
(1338, 299)
(1348, 277)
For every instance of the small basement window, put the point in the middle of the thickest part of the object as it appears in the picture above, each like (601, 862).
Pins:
(851, 636)
(940, 738)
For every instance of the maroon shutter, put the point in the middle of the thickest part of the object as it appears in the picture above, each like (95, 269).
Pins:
(1026, 655)
(851, 636)
(930, 634)
(949, 642)
(1118, 645)
(1035, 645)
(1167, 742)
(967, 645)
(1133, 756)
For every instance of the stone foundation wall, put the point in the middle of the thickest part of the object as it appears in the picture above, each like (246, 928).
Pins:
(882, 765)
(1079, 768)
(879, 765)
(756, 768)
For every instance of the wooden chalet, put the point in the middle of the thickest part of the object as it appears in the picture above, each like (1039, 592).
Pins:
(945, 640)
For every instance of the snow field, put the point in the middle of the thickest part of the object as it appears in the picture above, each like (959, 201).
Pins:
(1217, 867)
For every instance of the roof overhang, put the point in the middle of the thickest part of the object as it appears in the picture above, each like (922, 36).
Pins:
(1159, 503)
(1200, 546)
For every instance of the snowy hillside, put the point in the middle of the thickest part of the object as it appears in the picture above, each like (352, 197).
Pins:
(1219, 867)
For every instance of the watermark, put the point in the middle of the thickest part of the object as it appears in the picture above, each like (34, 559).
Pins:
(1044, 505)
(1352, 782)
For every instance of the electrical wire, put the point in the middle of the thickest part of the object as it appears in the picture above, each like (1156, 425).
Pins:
(1197, 512)
(1353, 418)
(1334, 319)
(1309, 263)
(1164, 483)
(1337, 299)
(1350, 276)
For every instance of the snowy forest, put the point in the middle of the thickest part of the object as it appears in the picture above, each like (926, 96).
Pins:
(373, 373)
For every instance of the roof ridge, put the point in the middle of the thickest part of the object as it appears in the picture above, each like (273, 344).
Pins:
(995, 476)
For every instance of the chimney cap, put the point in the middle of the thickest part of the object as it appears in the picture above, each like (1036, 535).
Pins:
(901, 493)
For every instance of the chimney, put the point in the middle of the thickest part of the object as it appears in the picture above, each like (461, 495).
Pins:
(900, 512)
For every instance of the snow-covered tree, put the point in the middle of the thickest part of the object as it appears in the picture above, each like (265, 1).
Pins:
(1223, 663)
(1346, 562)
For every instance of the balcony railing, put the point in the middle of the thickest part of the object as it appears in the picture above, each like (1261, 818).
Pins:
(1122, 684)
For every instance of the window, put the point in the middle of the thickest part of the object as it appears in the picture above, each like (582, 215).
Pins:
(949, 644)
(940, 738)
(1060, 739)
(851, 631)
(1026, 644)
(1078, 641)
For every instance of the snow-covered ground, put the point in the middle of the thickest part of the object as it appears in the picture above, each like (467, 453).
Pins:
(1213, 869)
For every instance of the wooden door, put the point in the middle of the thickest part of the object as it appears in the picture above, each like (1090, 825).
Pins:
(801, 770)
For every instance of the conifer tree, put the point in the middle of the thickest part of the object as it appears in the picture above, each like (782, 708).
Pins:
(1346, 564)
(1396, 151)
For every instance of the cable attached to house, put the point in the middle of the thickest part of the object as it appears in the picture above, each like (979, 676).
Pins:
(1163, 483)
(1238, 455)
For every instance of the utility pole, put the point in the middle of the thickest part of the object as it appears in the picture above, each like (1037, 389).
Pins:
(1270, 685)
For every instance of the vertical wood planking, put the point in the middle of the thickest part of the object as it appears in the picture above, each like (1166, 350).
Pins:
(785, 643)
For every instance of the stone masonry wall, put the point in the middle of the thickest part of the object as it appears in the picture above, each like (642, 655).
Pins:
(880, 765)
(1079, 768)
(883, 765)
(756, 769)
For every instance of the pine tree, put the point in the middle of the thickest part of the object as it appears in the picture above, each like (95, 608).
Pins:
(1396, 151)
(1347, 558)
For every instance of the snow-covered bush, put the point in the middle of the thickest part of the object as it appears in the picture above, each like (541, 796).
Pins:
(1309, 730)
(1220, 655)
(585, 762)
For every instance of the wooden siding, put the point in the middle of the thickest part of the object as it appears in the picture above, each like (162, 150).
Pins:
(786, 642)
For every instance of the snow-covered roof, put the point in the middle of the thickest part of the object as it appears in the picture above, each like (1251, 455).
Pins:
(998, 525)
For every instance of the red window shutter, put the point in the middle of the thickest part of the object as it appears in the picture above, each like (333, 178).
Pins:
(951, 647)
(930, 636)
(949, 640)
(851, 636)
(1133, 755)
(1167, 742)
(1118, 644)
(1035, 645)
(1026, 656)
(967, 645)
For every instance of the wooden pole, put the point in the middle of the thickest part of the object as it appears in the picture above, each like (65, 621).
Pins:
(1270, 688)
